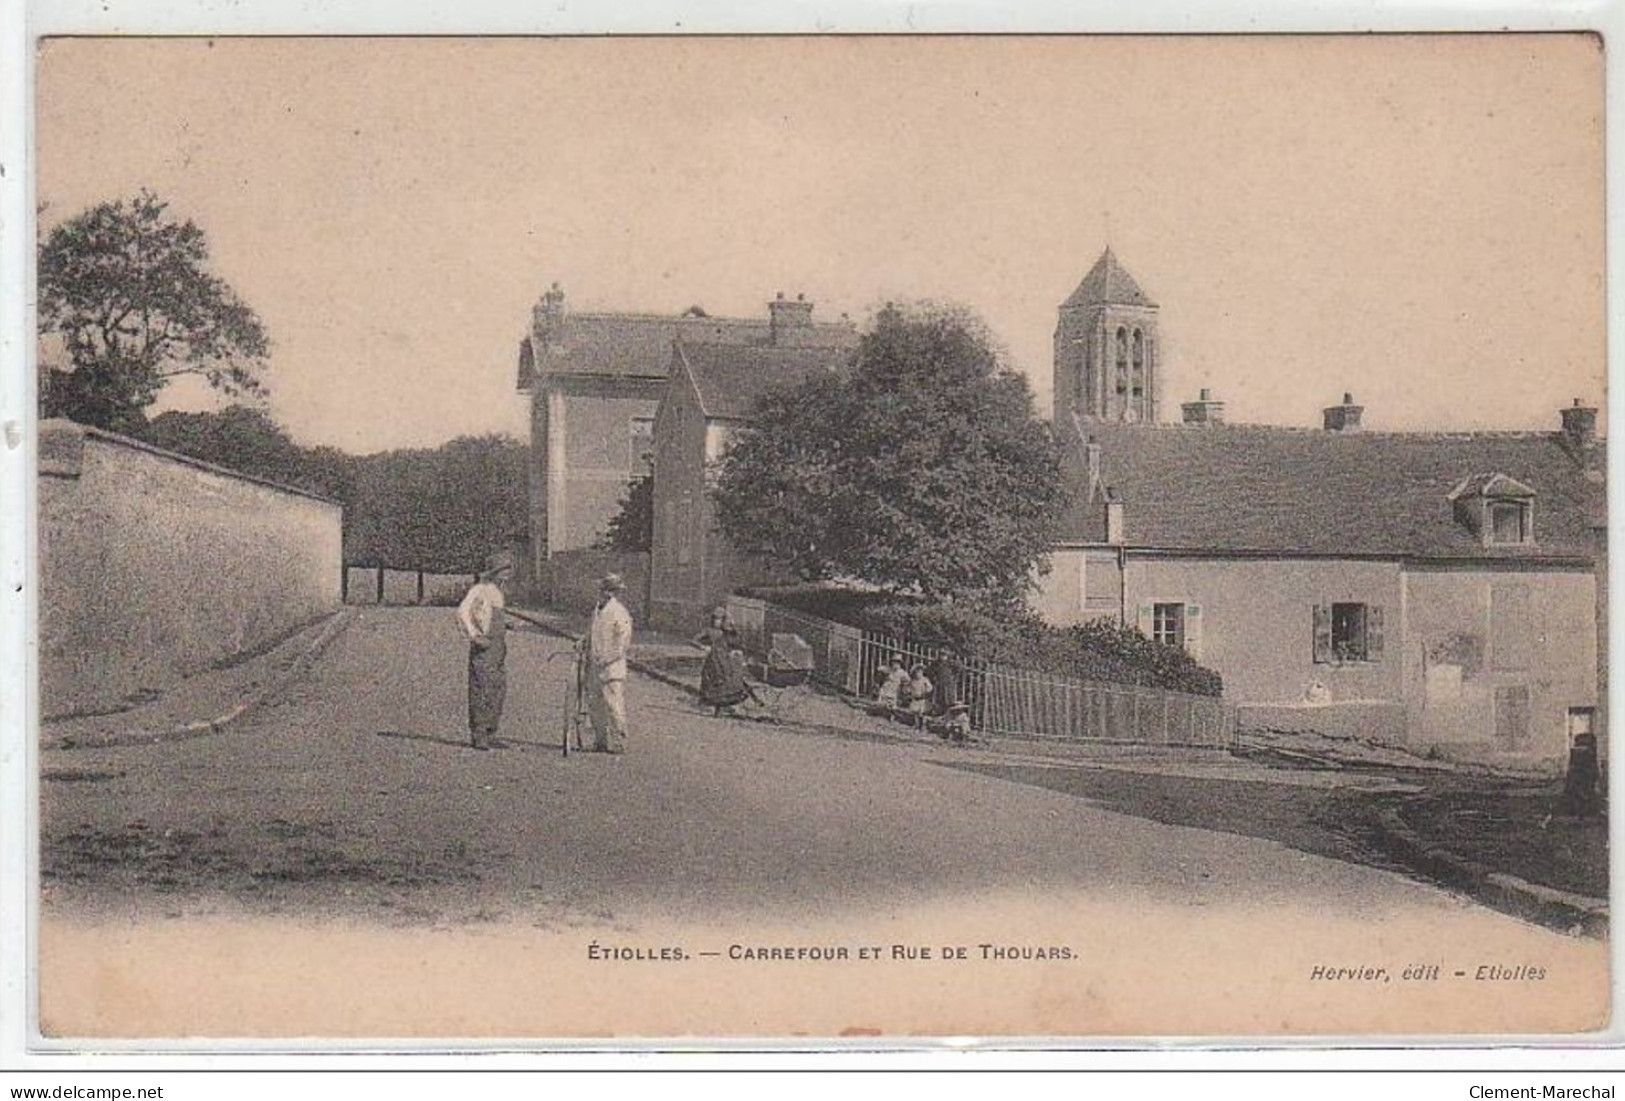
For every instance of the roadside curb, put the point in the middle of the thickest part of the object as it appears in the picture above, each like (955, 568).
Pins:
(1546, 905)
(335, 626)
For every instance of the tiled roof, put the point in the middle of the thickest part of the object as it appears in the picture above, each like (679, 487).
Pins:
(1246, 488)
(639, 345)
(1490, 484)
(1108, 281)
(730, 377)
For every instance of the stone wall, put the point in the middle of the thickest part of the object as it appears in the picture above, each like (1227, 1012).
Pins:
(153, 566)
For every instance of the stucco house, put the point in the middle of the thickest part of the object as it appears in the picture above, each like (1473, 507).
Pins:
(595, 380)
(710, 392)
(1432, 588)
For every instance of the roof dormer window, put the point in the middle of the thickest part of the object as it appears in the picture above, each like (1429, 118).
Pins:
(1509, 522)
(1498, 509)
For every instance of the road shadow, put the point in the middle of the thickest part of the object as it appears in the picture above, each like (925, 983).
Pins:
(456, 743)
(1330, 822)
(523, 744)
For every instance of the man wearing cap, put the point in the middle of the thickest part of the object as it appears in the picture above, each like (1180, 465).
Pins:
(482, 618)
(608, 640)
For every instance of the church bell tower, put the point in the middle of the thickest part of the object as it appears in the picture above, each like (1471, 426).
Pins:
(1107, 350)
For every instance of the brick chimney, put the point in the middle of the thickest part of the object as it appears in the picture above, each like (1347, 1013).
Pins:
(1204, 410)
(1579, 437)
(1343, 418)
(789, 323)
(547, 318)
(1580, 426)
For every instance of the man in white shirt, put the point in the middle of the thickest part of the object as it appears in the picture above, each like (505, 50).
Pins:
(608, 641)
(482, 618)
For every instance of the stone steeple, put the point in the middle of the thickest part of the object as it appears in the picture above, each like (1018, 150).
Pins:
(1107, 349)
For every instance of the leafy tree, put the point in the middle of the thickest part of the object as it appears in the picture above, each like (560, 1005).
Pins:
(247, 439)
(127, 290)
(442, 509)
(922, 469)
(633, 527)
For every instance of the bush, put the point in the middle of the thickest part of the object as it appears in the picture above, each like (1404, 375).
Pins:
(1101, 650)
(1113, 645)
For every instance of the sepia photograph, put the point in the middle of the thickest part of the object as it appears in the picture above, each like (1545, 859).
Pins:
(732, 539)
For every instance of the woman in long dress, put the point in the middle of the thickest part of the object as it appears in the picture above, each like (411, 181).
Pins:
(722, 677)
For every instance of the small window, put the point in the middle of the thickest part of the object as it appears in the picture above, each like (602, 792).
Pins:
(1347, 632)
(1497, 508)
(685, 532)
(1172, 625)
(1509, 521)
(1168, 624)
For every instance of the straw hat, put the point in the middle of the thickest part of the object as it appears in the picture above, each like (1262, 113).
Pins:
(611, 583)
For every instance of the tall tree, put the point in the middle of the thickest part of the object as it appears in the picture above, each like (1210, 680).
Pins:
(922, 469)
(127, 290)
(444, 509)
(633, 527)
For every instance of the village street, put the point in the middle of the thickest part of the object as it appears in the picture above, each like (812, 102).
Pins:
(357, 792)
(353, 807)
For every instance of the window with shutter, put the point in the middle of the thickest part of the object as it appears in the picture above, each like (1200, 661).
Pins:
(1193, 631)
(1348, 632)
(1322, 633)
(1168, 624)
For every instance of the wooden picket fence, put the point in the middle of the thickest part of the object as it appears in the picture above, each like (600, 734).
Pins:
(1003, 700)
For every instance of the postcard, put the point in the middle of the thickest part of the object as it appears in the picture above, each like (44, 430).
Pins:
(1047, 539)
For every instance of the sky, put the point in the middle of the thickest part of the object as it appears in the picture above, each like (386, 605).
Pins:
(1416, 220)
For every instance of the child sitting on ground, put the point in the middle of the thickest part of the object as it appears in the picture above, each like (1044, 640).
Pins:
(890, 694)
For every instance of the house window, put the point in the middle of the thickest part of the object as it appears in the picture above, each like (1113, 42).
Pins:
(1168, 624)
(685, 532)
(1509, 522)
(1347, 632)
(1497, 508)
(642, 435)
(1173, 625)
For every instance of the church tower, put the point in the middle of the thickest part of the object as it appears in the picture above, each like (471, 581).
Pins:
(1107, 350)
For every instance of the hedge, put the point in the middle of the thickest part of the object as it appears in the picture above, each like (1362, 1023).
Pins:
(1100, 650)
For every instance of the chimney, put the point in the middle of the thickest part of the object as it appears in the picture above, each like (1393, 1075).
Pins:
(789, 323)
(1343, 418)
(548, 316)
(1114, 517)
(1091, 454)
(1580, 426)
(1579, 436)
(1204, 410)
